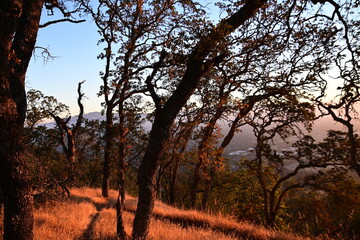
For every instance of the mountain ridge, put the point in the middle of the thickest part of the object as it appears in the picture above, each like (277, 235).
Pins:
(244, 140)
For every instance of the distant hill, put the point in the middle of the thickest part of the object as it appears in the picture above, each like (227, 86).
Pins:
(90, 116)
(244, 140)
(50, 123)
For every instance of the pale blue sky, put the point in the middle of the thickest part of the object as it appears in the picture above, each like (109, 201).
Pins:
(76, 50)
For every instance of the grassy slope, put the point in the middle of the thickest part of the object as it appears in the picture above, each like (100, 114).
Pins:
(86, 215)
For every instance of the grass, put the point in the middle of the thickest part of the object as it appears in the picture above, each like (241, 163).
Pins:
(86, 215)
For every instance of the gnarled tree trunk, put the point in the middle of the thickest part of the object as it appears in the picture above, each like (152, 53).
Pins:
(68, 143)
(19, 24)
(197, 65)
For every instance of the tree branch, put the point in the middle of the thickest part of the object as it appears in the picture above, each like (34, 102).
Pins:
(60, 20)
(81, 107)
(150, 87)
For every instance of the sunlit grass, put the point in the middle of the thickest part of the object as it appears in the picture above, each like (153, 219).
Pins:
(62, 220)
(87, 214)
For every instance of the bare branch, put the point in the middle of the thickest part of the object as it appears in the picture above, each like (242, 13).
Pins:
(60, 20)
(151, 89)
(81, 107)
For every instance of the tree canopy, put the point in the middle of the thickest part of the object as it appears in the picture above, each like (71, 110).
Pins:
(264, 65)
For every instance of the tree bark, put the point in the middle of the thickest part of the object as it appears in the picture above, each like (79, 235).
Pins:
(146, 176)
(172, 183)
(164, 117)
(16, 184)
(120, 228)
(108, 148)
(19, 24)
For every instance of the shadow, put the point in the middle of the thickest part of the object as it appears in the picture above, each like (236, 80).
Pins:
(110, 202)
(88, 233)
(186, 222)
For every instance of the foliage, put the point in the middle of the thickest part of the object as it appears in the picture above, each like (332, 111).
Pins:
(266, 64)
(39, 107)
(329, 208)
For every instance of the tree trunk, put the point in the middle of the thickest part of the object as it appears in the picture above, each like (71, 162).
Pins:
(186, 135)
(15, 178)
(71, 156)
(164, 117)
(69, 146)
(108, 148)
(120, 228)
(195, 183)
(19, 24)
(146, 177)
(207, 188)
(172, 182)
(159, 174)
(353, 149)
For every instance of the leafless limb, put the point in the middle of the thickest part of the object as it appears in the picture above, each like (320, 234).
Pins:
(60, 20)
(150, 87)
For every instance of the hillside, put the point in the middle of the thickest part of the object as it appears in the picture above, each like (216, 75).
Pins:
(86, 215)
(244, 140)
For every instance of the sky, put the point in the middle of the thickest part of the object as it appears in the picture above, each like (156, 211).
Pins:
(75, 50)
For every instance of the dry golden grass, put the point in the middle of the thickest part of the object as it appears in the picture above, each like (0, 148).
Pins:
(87, 215)
(62, 220)
(219, 223)
(159, 230)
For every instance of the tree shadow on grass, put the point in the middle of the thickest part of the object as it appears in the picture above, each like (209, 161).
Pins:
(88, 233)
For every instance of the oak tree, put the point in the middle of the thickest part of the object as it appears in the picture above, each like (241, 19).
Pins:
(19, 25)
(197, 64)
